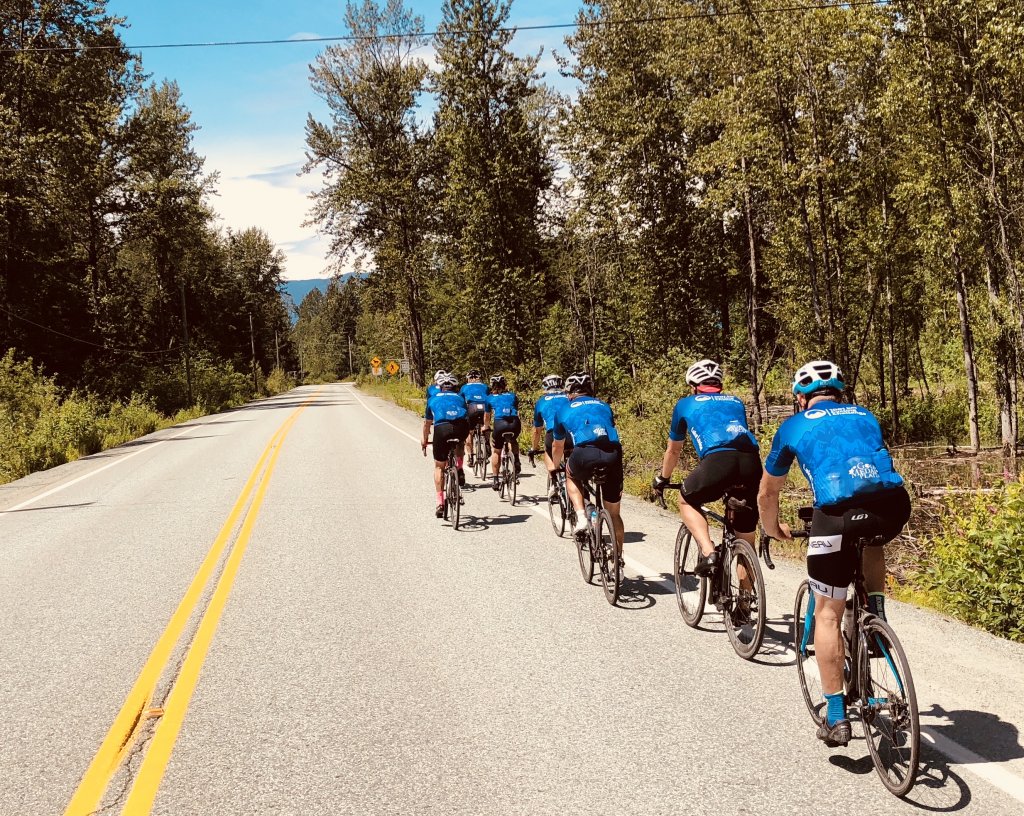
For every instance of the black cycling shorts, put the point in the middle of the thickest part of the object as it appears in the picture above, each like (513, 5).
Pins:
(586, 458)
(475, 414)
(549, 440)
(443, 431)
(727, 472)
(831, 550)
(504, 425)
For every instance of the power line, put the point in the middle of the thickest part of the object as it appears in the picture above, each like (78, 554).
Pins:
(701, 15)
(85, 342)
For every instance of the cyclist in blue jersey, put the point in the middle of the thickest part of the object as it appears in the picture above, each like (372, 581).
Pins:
(544, 413)
(503, 415)
(857, 495)
(474, 392)
(590, 424)
(434, 388)
(728, 460)
(447, 413)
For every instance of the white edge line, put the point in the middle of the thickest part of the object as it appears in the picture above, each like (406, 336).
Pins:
(91, 473)
(1007, 782)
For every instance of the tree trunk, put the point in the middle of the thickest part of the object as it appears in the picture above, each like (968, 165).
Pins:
(752, 303)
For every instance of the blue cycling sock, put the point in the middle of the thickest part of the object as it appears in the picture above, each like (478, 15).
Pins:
(836, 708)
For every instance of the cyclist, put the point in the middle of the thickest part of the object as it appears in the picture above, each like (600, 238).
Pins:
(434, 388)
(474, 392)
(544, 413)
(447, 413)
(590, 424)
(857, 494)
(503, 416)
(728, 459)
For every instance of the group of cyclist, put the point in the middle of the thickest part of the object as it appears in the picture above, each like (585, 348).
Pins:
(839, 447)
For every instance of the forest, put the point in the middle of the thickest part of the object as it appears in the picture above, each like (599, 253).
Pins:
(758, 185)
(119, 294)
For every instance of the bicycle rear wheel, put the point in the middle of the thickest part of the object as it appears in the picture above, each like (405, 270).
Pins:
(608, 557)
(691, 589)
(454, 496)
(513, 482)
(888, 707)
(745, 617)
(806, 661)
(478, 454)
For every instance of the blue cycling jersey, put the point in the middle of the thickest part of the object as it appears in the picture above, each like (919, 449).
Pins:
(474, 393)
(503, 405)
(714, 421)
(585, 419)
(433, 390)
(840, 450)
(447, 406)
(547, 407)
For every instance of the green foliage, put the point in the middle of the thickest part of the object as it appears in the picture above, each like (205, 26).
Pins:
(976, 563)
(279, 382)
(396, 389)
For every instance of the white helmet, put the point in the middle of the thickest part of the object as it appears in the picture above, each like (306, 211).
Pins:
(439, 375)
(703, 371)
(448, 381)
(817, 375)
(552, 381)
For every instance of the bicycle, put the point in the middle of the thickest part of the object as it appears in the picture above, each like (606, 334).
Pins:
(598, 549)
(508, 479)
(560, 509)
(743, 608)
(876, 676)
(479, 453)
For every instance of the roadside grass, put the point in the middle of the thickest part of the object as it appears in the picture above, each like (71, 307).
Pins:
(970, 567)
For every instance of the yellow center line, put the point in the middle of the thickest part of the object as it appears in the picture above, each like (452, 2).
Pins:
(134, 711)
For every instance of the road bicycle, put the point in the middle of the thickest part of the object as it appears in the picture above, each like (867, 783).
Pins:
(878, 685)
(479, 453)
(597, 549)
(508, 479)
(560, 509)
(735, 586)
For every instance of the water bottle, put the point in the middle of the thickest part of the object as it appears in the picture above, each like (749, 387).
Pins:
(592, 513)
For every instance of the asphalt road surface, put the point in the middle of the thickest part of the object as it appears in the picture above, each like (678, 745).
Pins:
(257, 613)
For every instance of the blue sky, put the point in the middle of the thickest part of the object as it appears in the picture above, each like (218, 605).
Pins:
(251, 102)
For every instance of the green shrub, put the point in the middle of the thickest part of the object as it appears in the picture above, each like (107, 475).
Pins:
(279, 382)
(976, 568)
(126, 421)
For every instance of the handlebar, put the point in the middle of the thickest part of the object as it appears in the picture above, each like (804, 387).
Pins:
(661, 493)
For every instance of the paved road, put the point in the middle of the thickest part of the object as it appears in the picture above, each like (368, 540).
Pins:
(362, 657)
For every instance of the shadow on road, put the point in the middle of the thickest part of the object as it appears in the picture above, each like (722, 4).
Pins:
(777, 647)
(475, 524)
(991, 738)
(49, 507)
(638, 592)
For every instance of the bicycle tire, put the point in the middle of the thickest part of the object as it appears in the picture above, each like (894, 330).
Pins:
(608, 557)
(513, 484)
(745, 622)
(691, 589)
(445, 488)
(806, 659)
(454, 496)
(478, 459)
(888, 708)
(556, 510)
(585, 553)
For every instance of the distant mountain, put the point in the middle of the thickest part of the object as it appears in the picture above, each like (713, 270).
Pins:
(298, 289)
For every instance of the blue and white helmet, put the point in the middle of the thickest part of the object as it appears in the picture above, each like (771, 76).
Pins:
(817, 375)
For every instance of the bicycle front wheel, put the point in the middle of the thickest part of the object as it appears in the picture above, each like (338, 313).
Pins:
(513, 485)
(806, 660)
(888, 707)
(585, 552)
(556, 510)
(691, 589)
(745, 616)
(608, 557)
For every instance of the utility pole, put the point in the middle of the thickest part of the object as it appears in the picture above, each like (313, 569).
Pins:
(188, 353)
(277, 349)
(252, 340)
(350, 372)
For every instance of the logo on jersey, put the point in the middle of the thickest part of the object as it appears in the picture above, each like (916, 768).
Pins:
(816, 413)
(864, 470)
(702, 399)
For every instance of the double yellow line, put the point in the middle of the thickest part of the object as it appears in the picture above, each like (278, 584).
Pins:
(138, 706)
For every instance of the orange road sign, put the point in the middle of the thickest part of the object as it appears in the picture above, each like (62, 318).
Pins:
(375, 362)
(393, 368)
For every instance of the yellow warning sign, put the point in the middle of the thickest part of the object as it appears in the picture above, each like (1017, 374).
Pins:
(393, 368)
(375, 362)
